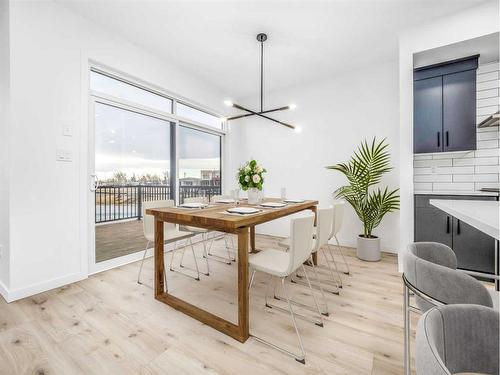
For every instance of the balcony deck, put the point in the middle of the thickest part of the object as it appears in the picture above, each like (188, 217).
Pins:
(118, 239)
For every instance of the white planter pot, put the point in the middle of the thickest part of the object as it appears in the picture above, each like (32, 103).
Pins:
(368, 249)
(253, 196)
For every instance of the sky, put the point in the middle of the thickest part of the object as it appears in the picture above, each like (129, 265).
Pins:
(137, 144)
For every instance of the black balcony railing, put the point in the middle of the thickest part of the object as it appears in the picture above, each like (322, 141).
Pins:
(120, 202)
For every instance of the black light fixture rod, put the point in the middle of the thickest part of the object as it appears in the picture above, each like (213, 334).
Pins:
(261, 76)
(261, 115)
(263, 112)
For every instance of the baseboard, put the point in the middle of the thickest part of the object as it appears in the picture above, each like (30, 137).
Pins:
(16, 294)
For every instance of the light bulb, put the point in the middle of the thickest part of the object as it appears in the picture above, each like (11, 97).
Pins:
(229, 103)
(298, 129)
(292, 106)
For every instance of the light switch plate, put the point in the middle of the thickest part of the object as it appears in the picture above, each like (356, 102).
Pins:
(64, 155)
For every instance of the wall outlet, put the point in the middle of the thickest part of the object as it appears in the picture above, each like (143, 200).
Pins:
(67, 131)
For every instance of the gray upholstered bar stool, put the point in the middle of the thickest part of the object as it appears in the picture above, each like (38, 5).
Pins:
(458, 339)
(430, 273)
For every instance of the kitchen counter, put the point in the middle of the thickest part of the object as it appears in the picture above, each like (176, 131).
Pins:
(482, 215)
(454, 192)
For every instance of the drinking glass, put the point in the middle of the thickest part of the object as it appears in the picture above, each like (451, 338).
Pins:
(283, 193)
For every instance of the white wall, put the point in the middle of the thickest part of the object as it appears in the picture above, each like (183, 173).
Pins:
(4, 135)
(336, 115)
(50, 49)
(472, 23)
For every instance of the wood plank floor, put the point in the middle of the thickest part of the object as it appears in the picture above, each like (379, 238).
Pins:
(108, 324)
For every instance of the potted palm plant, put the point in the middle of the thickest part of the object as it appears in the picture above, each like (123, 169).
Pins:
(364, 170)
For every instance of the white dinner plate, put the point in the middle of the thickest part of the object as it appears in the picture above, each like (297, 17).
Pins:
(273, 204)
(225, 201)
(243, 210)
(193, 205)
(294, 200)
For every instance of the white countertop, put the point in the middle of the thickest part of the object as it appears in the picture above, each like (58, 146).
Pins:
(482, 215)
(454, 192)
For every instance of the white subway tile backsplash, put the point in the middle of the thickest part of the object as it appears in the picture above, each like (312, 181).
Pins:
(488, 85)
(470, 170)
(485, 136)
(487, 144)
(432, 163)
(433, 178)
(459, 186)
(490, 76)
(485, 68)
(487, 152)
(488, 101)
(454, 170)
(422, 186)
(453, 155)
(491, 177)
(491, 93)
(487, 169)
(486, 111)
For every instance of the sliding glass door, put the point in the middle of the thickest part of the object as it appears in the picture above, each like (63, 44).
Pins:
(133, 156)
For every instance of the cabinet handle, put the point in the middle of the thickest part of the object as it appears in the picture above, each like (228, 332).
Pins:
(447, 138)
(458, 226)
(447, 224)
(439, 139)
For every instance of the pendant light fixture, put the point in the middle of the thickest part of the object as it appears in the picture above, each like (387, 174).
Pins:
(261, 38)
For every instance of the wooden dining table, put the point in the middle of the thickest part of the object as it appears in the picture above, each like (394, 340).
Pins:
(215, 217)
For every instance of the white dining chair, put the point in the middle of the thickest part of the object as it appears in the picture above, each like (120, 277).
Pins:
(228, 240)
(321, 234)
(281, 264)
(203, 232)
(171, 234)
(339, 208)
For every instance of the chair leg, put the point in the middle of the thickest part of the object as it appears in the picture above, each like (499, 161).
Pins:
(218, 258)
(251, 280)
(314, 296)
(407, 328)
(204, 240)
(142, 263)
(326, 313)
(195, 261)
(348, 271)
(302, 357)
(338, 284)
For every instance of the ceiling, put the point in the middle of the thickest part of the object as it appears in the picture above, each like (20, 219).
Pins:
(308, 40)
(487, 47)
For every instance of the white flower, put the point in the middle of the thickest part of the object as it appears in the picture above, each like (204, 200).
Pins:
(247, 169)
(259, 169)
(256, 178)
(247, 178)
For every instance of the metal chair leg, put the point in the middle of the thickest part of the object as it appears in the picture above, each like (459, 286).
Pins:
(326, 312)
(313, 295)
(348, 272)
(204, 239)
(251, 280)
(339, 284)
(142, 263)
(218, 258)
(407, 328)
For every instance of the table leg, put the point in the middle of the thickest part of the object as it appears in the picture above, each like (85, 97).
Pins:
(243, 299)
(252, 239)
(159, 269)
(238, 331)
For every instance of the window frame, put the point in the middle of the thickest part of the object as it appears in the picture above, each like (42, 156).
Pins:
(175, 120)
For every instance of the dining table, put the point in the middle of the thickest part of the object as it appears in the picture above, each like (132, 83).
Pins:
(215, 217)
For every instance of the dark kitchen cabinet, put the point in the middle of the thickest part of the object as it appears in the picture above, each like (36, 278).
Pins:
(428, 115)
(444, 106)
(459, 111)
(475, 250)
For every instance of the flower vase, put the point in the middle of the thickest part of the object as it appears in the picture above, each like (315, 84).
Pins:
(253, 196)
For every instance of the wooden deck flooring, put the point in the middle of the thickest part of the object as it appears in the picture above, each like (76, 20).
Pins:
(118, 239)
(108, 324)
